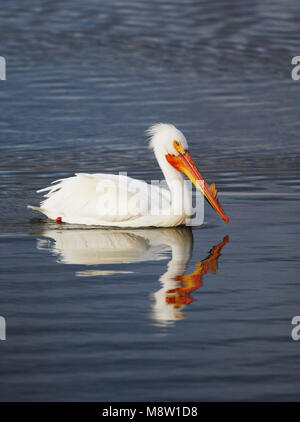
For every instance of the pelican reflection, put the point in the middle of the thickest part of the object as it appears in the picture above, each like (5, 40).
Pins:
(93, 247)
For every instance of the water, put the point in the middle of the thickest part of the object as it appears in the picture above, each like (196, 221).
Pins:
(87, 321)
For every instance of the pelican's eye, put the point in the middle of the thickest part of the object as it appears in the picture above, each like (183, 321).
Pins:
(178, 146)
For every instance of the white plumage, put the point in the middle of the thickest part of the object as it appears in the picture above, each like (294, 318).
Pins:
(80, 200)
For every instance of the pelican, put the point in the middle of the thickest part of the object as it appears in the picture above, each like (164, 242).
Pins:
(120, 201)
(94, 248)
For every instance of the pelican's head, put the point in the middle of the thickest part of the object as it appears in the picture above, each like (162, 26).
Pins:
(164, 135)
(167, 140)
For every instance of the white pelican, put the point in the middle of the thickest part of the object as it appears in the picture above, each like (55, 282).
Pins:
(97, 247)
(120, 201)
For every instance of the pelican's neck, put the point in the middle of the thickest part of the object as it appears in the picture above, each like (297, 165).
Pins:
(180, 197)
(172, 176)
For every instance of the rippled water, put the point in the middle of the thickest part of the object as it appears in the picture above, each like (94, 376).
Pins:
(176, 314)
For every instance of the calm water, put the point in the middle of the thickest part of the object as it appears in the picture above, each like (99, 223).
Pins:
(175, 314)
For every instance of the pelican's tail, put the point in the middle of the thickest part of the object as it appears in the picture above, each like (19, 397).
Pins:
(37, 209)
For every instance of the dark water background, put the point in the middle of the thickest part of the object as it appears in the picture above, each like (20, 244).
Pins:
(84, 80)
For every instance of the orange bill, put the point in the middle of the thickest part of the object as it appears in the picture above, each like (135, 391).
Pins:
(185, 164)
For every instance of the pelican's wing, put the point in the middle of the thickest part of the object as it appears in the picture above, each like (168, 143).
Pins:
(98, 199)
